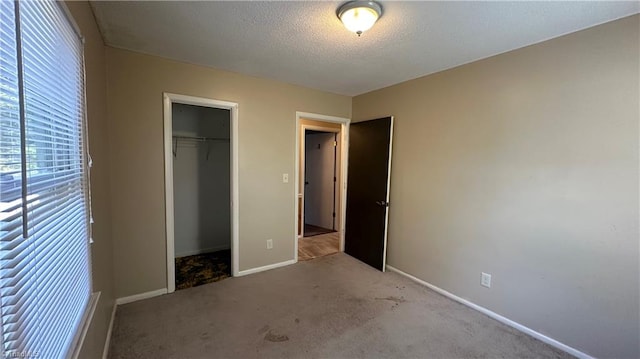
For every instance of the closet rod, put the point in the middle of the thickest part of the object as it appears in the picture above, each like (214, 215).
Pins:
(194, 138)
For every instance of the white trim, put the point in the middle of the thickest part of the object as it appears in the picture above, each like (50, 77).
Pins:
(204, 250)
(72, 20)
(168, 100)
(168, 196)
(141, 296)
(300, 216)
(344, 160)
(264, 268)
(87, 318)
(543, 338)
(300, 202)
(235, 194)
(319, 117)
(107, 341)
(344, 173)
(320, 128)
(386, 216)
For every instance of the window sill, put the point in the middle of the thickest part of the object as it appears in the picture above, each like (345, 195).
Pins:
(84, 326)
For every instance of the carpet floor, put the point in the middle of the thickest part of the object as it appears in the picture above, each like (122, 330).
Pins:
(329, 307)
(203, 268)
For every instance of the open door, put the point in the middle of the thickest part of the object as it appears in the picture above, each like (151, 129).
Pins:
(369, 174)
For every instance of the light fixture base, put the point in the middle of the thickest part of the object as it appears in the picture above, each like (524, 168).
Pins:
(359, 16)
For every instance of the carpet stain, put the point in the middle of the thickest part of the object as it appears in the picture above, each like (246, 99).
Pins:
(358, 300)
(297, 320)
(393, 299)
(275, 338)
(263, 329)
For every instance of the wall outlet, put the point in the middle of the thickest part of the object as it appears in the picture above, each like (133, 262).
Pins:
(285, 178)
(485, 280)
(269, 243)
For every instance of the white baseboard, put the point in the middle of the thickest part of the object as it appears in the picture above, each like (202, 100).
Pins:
(498, 317)
(141, 296)
(201, 251)
(107, 341)
(267, 267)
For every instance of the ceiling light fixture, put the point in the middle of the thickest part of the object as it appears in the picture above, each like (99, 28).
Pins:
(359, 16)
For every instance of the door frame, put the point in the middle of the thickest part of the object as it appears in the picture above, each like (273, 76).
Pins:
(344, 160)
(168, 100)
(303, 171)
(386, 217)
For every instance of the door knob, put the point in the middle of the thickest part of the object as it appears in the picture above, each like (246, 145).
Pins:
(382, 203)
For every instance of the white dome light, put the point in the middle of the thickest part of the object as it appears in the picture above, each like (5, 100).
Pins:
(359, 16)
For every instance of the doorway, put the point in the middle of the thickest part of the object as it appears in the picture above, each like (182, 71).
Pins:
(320, 180)
(201, 190)
(320, 185)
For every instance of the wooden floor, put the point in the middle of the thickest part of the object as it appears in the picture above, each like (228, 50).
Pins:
(311, 230)
(318, 246)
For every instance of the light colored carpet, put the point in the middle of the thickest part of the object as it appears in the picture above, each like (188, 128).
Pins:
(330, 307)
(318, 246)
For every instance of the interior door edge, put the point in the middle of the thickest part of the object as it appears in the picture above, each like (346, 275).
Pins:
(386, 219)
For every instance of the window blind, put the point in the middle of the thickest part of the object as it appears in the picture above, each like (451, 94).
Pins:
(44, 223)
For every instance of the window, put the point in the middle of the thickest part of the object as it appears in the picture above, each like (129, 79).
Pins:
(44, 218)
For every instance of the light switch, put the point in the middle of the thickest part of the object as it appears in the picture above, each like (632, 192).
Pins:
(285, 178)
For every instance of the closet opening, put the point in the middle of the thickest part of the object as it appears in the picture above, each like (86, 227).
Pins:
(199, 166)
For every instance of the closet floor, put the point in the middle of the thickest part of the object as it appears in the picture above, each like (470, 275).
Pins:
(201, 269)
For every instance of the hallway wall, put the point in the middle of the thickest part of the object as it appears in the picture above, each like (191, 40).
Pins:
(327, 126)
(320, 159)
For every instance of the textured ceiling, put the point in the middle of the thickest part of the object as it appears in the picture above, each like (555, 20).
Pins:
(304, 43)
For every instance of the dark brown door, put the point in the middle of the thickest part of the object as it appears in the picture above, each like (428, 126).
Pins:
(368, 190)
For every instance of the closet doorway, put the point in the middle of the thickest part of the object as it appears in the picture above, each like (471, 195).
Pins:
(200, 174)
(320, 180)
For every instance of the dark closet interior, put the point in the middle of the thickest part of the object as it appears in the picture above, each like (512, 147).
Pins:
(202, 192)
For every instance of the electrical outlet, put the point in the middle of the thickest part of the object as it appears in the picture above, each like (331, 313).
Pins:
(285, 178)
(269, 243)
(485, 280)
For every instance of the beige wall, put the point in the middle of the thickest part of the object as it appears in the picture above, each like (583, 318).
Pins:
(525, 166)
(267, 130)
(101, 249)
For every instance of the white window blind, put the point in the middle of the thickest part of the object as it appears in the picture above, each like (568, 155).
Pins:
(44, 222)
